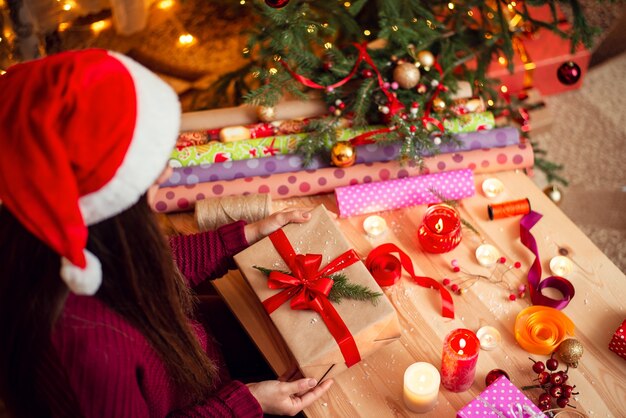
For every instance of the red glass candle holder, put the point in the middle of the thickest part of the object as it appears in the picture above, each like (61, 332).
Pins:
(458, 362)
(440, 231)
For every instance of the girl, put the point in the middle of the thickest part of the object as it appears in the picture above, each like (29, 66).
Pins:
(95, 314)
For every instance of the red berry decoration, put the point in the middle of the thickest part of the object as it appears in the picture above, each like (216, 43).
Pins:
(556, 378)
(556, 391)
(552, 364)
(545, 399)
(562, 402)
(276, 4)
(543, 378)
(569, 73)
(538, 367)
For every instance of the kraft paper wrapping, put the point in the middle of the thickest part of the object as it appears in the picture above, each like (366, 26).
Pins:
(303, 331)
(325, 180)
(244, 115)
(400, 193)
(499, 137)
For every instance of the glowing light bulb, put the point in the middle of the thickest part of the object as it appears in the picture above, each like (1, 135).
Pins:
(451, 6)
(165, 4)
(367, 32)
(64, 26)
(186, 39)
(100, 25)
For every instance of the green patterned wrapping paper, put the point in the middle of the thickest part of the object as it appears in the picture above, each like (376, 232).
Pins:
(470, 122)
(219, 152)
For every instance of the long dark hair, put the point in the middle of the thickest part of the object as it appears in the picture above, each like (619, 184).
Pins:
(140, 282)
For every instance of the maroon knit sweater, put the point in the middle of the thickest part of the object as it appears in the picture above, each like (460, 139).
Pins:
(113, 369)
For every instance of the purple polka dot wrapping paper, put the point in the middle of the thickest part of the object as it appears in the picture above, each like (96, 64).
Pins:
(400, 193)
(378, 152)
(500, 399)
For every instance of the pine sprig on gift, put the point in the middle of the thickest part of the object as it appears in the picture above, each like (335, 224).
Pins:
(341, 289)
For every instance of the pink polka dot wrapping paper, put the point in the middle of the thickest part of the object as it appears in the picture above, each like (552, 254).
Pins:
(401, 193)
(618, 342)
(501, 399)
(326, 180)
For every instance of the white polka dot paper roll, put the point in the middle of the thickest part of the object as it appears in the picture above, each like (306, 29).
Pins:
(499, 399)
(618, 342)
(401, 193)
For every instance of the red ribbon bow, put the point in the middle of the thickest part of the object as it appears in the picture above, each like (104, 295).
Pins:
(308, 287)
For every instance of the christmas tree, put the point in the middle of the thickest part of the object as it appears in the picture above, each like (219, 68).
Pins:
(397, 63)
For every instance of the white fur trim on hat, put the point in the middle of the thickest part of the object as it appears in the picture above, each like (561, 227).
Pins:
(156, 129)
(82, 281)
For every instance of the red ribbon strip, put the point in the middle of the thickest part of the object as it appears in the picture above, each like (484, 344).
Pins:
(394, 104)
(308, 287)
(535, 283)
(384, 270)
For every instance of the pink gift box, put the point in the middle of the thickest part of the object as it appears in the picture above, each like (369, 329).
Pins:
(501, 399)
(618, 342)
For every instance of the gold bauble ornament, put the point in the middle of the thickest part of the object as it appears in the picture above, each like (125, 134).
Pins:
(554, 193)
(426, 59)
(266, 113)
(407, 75)
(570, 351)
(439, 105)
(343, 154)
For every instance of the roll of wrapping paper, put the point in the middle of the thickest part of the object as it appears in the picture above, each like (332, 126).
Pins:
(325, 180)
(244, 115)
(376, 152)
(217, 211)
(219, 152)
(470, 122)
(401, 193)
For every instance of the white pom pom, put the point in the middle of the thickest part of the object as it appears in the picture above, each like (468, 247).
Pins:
(82, 281)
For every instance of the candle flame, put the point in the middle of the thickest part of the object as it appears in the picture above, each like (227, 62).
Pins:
(439, 225)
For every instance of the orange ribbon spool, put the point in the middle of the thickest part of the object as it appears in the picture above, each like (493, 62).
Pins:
(540, 329)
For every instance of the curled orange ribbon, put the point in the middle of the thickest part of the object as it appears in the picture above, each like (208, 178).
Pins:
(540, 329)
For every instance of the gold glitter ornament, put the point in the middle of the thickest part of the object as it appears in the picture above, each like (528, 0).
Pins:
(570, 351)
(426, 59)
(266, 113)
(439, 105)
(407, 75)
(343, 154)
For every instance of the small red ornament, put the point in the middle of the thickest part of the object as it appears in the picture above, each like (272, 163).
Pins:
(569, 73)
(494, 374)
(276, 4)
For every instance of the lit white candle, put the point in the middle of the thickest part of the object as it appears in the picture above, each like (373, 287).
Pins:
(492, 187)
(374, 226)
(489, 337)
(561, 266)
(421, 387)
(487, 255)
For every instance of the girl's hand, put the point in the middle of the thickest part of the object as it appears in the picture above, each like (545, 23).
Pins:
(287, 398)
(257, 230)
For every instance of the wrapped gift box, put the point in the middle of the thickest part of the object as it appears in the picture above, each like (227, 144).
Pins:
(618, 342)
(304, 332)
(546, 52)
(501, 399)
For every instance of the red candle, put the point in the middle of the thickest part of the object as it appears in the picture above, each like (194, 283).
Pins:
(440, 231)
(458, 362)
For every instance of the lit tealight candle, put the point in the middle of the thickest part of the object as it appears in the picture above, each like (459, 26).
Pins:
(374, 226)
(492, 187)
(489, 337)
(561, 266)
(421, 387)
(487, 255)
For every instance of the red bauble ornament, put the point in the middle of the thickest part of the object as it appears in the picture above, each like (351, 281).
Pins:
(494, 374)
(276, 4)
(569, 73)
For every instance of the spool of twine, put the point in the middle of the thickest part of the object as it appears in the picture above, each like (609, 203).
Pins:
(214, 212)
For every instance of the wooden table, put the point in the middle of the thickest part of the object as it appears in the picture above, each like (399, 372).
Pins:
(374, 386)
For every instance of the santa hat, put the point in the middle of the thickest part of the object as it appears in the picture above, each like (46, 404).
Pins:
(83, 134)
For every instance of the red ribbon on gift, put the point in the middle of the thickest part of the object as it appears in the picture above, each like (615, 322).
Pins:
(536, 285)
(387, 272)
(308, 287)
